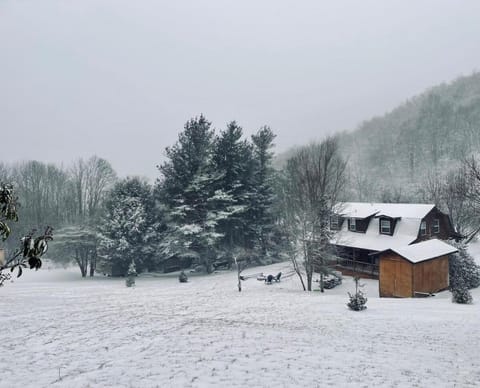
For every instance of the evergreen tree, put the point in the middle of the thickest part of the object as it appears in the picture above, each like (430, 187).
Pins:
(262, 191)
(464, 272)
(186, 158)
(232, 157)
(184, 190)
(123, 231)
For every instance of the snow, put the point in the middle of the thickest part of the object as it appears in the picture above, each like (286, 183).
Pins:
(62, 331)
(393, 210)
(425, 250)
(406, 231)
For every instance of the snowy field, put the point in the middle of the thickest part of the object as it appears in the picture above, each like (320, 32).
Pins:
(62, 331)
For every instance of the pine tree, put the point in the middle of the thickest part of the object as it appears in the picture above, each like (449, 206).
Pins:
(262, 190)
(357, 301)
(123, 230)
(463, 270)
(186, 158)
(464, 275)
(192, 223)
(232, 157)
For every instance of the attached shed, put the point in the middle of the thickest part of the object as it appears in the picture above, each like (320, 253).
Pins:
(416, 268)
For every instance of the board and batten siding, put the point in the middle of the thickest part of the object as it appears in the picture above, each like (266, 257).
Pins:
(431, 275)
(400, 278)
(395, 276)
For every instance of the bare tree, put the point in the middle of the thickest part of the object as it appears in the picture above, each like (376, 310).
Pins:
(472, 192)
(91, 180)
(314, 181)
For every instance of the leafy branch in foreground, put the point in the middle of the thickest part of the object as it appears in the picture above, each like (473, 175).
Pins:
(32, 248)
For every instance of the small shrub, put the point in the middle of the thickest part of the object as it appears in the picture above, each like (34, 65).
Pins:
(183, 278)
(358, 300)
(132, 272)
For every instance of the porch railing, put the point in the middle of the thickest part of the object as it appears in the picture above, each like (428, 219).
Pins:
(358, 266)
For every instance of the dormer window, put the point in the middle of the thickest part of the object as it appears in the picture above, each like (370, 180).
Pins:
(436, 226)
(385, 227)
(352, 224)
(423, 228)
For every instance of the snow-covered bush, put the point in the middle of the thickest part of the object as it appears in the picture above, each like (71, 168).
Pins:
(132, 272)
(358, 300)
(183, 278)
(461, 295)
(464, 272)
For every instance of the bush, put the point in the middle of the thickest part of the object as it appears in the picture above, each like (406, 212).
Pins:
(132, 272)
(358, 300)
(462, 296)
(183, 278)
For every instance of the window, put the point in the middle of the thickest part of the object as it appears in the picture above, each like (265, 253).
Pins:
(352, 224)
(436, 226)
(385, 227)
(423, 228)
(334, 222)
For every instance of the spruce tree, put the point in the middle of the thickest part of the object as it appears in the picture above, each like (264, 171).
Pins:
(232, 157)
(124, 229)
(262, 190)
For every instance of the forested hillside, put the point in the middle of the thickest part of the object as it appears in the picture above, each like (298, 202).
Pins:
(427, 135)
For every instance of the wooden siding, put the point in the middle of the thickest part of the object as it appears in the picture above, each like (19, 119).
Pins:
(395, 276)
(446, 229)
(431, 276)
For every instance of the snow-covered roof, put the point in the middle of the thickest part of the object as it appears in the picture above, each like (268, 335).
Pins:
(394, 210)
(407, 226)
(406, 232)
(425, 250)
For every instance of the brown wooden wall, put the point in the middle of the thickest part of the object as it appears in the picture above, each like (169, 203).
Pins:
(395, 276)
(446, 229)
(431, 276)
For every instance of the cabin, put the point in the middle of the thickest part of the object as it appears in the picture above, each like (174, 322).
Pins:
(367, 233)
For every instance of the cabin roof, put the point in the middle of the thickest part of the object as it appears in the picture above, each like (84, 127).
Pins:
(406, 231)
(425, 250)
(392, 210)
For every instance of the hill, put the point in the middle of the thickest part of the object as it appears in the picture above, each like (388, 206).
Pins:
(429, 133)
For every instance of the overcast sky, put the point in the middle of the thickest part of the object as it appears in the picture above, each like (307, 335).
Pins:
(120, 78)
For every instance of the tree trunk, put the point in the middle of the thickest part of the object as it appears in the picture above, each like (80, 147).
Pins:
(93, 263)
(238, 275)
(298, 272)
(309, 277)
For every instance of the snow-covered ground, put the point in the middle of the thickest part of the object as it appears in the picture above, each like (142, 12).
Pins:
(62, 331)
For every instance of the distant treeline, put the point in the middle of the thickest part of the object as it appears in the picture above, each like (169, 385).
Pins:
(431, 134)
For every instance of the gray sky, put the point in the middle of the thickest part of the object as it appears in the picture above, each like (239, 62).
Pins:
(120, 78)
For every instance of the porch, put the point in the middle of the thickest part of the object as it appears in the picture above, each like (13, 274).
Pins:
(357, 262)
